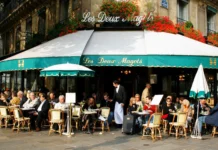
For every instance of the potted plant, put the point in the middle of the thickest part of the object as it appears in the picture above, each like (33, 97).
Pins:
(213, 39)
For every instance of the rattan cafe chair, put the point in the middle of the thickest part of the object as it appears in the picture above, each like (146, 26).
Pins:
(20, 121)
(76, 115)
(56, 116)
(153, 126)
(105, 111)
(179, 125)
(4, 115)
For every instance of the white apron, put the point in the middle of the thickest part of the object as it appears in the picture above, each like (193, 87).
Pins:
(118, 113)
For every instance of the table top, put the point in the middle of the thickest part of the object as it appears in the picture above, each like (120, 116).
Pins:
(27, 108)
(141, 113)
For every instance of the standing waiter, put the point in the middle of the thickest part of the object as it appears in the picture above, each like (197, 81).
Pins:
(119, 98)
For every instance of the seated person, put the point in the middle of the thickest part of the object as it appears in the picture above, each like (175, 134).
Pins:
(32, 102)
(3, 100)
(87, 120)
(187, 109)
(53, 99)
(15, 100)
(167, 109)
(22, 98)
(211, 119)
(63, 106)
(203, 107)
(41, 113)
(132, 105)
(107, 102)
(150, 108)
(138, 102)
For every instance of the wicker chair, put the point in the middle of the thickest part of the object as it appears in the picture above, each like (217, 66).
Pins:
(179, 124)
(56, 116)
(153, 126)
(4, 115)
(76, 114)
(105, 111)
(214, 131)
(20, 121)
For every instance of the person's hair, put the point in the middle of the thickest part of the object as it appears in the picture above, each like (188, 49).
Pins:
(20, 92)
(61, 96)
(105, 94)
(52, 93)
(116, 82)
(43, 95)
(93, 100)
(137, 95)
(14, 93)
(131, 101)
(4, 95)
(149, 97)
(32, 93)
(186, 103)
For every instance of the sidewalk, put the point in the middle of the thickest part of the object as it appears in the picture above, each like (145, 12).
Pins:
(113, 140)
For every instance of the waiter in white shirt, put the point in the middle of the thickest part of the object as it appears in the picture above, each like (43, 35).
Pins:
(119, 98)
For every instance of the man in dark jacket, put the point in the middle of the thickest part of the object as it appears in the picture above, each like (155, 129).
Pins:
(41, 113)
(210, 119)
(107, 102)
(22, 98)
(119, 98)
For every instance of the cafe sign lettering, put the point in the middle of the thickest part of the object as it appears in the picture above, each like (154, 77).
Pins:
(123, 61)
(102, 17)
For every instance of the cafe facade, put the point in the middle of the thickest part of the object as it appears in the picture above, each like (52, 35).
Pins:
(135, 57)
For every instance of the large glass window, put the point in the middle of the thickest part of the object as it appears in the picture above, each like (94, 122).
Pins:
(18, 37)
(77, 8)
(41, 23)
(6, 84)
(182, 11)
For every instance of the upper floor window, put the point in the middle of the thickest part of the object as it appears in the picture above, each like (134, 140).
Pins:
(211, 19)
(64, 4)
(77, 8)
(182, 10)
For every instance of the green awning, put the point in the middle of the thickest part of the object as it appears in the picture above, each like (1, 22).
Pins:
(65, 49)
(150, 61)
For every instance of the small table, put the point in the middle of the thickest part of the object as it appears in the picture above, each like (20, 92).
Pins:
(27, 109)
(141, 113)
(89, 112)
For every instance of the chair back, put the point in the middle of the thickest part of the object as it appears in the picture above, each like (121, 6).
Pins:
(76, 111)
(17, 113)
(157, 118)
(181, 118)
(105, 111)
(55, 114)
(3, 111)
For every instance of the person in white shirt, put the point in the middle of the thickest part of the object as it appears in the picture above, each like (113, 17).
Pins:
(41, 112)
(61, 105)
(32, 102)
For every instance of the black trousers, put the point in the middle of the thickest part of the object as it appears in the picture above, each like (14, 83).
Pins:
(37, 120)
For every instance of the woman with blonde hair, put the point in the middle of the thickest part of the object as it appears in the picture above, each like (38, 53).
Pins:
(132, 105)
(187, 109)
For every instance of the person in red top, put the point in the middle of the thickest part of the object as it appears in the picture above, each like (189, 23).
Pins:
(150, 108)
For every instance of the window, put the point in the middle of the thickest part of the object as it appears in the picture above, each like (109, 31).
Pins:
(41, 23)
(63, 10)
(18, 38)
(28, 29)
(182, 11)
(211, 19)
(1, 46)
(77, 8)
(5, 81)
